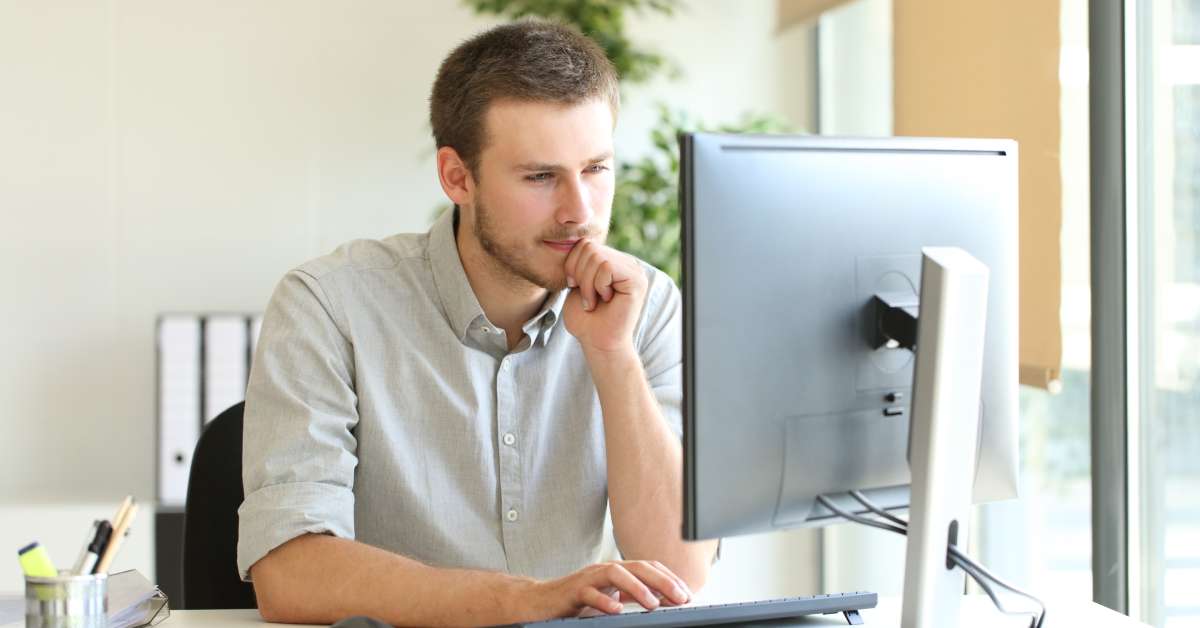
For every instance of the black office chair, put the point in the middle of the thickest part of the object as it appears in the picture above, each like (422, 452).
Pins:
(210, 523)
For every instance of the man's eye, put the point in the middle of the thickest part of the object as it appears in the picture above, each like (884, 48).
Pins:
(539, 177)
(597, 168)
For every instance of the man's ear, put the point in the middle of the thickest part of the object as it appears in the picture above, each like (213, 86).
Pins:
(455, 176)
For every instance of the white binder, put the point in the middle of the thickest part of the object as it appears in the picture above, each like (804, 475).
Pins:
(178, 404)
(226, 362)
(203, 366)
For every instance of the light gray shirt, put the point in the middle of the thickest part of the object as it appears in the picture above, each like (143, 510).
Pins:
(384, 406)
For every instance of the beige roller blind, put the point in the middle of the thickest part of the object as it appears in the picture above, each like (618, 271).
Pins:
(968, 68)
(793, 12)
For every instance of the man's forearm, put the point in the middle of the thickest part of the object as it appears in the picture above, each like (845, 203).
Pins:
(645, 470)
(321, 579)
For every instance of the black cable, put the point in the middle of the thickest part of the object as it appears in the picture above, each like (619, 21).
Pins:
(1036, 619)
(960, 558)
(902, 529)
(870, 505)
(977, 572)
(957, 555)
(987, 588)
(845, 514)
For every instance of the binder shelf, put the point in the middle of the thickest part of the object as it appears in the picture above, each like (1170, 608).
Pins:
(203, 366)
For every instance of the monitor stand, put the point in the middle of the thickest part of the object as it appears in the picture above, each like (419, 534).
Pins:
(943, 434)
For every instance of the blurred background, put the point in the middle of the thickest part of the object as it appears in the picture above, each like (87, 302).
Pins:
(175, 159)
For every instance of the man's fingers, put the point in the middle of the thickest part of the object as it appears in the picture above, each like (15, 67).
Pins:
(599, 273)
(583, 254)
(571, 264)
(601, 588)
(682, 585)
(604, 281)
(620, 577)
(593, 598)
(586, 276)
(572, 256)
(659, 578)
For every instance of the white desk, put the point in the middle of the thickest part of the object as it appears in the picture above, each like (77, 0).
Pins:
(978, 612)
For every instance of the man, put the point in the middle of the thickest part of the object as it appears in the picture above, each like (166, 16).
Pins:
(436, 423)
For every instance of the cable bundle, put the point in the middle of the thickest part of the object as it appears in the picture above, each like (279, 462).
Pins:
(977, 572)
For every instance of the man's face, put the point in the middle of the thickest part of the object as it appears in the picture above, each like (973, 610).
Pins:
(545, 181)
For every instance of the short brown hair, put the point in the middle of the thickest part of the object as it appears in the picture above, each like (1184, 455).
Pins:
(528, 60)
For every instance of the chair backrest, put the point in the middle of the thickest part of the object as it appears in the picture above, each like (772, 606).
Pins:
(210, 527)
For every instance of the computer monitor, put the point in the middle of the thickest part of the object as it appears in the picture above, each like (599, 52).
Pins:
(790, 389)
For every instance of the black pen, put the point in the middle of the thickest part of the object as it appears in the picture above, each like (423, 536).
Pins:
(87, 542)
(95, 548)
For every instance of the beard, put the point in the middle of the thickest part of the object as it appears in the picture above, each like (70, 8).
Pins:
(518, 262)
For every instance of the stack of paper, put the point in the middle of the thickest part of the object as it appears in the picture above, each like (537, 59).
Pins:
(133, 600)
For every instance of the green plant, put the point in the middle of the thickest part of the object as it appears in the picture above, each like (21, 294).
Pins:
(602, 20)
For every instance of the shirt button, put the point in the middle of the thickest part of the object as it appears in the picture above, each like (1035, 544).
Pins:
(509, 439)
(511, 515)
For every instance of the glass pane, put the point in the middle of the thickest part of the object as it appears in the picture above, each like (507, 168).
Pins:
(1168, 49)
(1057, 488)
(1043, 540)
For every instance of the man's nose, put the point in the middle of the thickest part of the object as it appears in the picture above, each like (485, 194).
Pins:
(575, 206)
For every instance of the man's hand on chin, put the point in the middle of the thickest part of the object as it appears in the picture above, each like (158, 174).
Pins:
(608, 288)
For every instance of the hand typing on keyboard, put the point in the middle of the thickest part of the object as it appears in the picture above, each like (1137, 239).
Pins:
(602, 588)
(630, 606)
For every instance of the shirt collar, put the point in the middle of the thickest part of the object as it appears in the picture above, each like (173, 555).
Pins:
(541, 325)
(458, 299)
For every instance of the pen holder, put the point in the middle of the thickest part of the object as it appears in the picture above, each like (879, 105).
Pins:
(66, 601)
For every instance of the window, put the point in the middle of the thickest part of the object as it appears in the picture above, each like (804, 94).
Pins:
(1166, 505)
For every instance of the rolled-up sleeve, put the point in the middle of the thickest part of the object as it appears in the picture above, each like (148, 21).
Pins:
(299, 450)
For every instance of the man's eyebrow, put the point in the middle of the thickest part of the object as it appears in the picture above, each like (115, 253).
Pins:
(543, 167)
(605, 156)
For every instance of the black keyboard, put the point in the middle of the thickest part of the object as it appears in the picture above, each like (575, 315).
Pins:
(717, 614)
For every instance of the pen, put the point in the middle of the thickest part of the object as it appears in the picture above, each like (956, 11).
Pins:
(116, 522)
(95, 548)
(83, 553)
(114, 543)
(125, 504)
(35, 562)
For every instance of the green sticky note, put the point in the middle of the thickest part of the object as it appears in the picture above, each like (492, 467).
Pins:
(35, 562)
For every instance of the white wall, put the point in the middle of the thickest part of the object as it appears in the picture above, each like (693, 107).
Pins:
(732, 61)
(161, 156)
